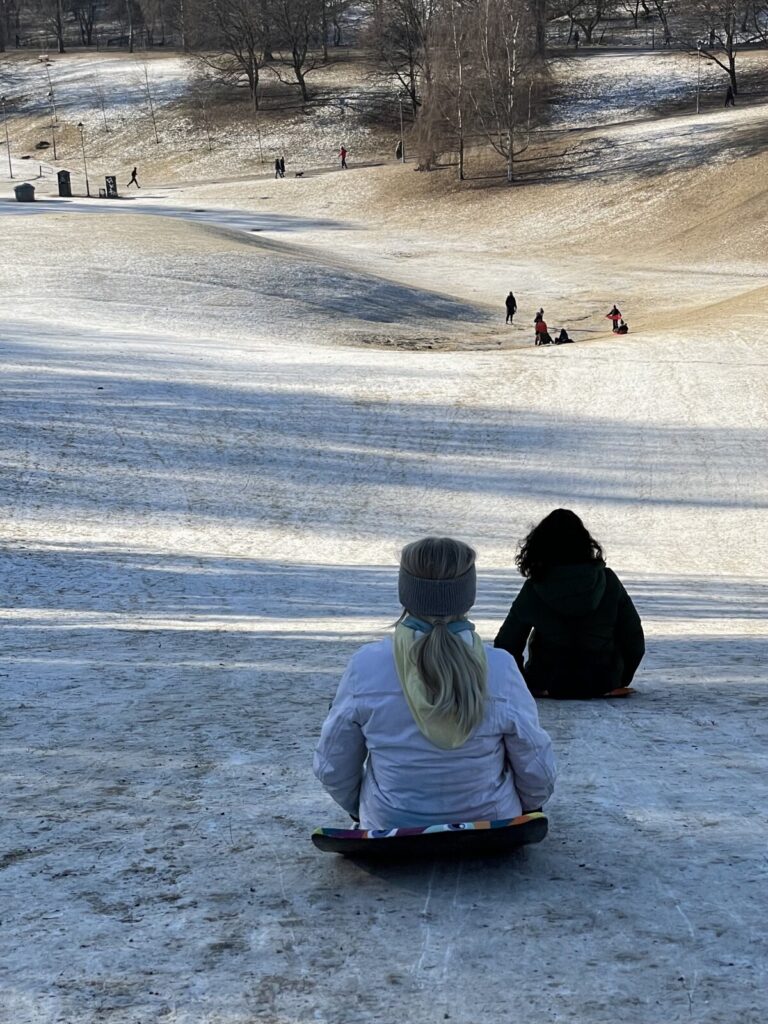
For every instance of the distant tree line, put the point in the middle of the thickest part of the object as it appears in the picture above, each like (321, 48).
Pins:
(468, 69)
(465, 71)
(126, 23)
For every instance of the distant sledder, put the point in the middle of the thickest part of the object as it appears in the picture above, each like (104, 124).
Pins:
(541, 331)
(615, 317)
(543, 337)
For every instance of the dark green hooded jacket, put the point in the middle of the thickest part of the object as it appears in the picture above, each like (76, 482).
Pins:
(583, 633)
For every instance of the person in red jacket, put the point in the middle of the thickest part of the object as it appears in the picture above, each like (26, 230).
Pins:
(615, 316)
(542, 332)
(343, 155)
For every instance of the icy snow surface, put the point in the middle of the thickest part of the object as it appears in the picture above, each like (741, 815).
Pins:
(208, 471)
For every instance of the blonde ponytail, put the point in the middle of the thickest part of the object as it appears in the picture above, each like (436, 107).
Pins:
(453, 674)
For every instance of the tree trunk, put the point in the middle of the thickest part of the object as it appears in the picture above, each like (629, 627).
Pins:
(60, 26)
(300, 79)
(540, 16)
(253, 82)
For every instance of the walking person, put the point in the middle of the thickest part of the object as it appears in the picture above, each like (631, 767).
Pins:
(134, 180)
(511, 304)
(282, 166)
(576, 39)
(343, 156)
(430, 725)
(582, 631)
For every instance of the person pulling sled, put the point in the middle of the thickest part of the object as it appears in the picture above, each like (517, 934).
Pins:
(615, 316)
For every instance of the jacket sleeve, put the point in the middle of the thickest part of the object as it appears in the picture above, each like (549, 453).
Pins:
(341, 752)
(630, 638)
(529, 750)
(514, 633)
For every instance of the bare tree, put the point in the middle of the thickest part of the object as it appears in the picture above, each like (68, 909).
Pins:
(503, 87)
(400, 35)
(51, 13)
(717, 23)
(235, 49)
(297, 25)
(153, 15)
(443, 118)
(85, 15)
(202, 92)
(101, 98)
(663, 9)
(589, 14)
(148, 92)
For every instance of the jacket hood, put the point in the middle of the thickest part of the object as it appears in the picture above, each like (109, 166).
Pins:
(573, 589)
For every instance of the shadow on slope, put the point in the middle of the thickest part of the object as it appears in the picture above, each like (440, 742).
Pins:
(83, 438)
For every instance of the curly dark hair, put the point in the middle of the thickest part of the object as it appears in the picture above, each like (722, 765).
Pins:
(559, 539)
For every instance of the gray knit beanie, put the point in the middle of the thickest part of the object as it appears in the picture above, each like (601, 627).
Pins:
(438, 598)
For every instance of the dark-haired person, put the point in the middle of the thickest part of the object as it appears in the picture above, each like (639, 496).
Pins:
(583, 634)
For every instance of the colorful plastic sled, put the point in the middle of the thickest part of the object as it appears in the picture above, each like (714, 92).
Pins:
(478, 837)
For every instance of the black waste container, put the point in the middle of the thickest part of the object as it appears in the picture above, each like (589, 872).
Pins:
(25, 193)
(111, 181)
(65, 185)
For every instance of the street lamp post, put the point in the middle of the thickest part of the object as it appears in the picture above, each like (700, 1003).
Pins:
(7, 140)
(698, 75)
(402, 136)
(81, 126)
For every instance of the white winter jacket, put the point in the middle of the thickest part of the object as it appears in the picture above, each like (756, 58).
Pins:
(375, 762)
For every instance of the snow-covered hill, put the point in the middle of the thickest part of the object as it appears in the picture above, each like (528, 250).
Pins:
(211, 456)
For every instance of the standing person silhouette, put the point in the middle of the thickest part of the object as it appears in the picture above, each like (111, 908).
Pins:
(511, 304)
(134, 179)
(343, 157)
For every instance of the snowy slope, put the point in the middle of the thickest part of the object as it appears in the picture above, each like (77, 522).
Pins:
(205, 488)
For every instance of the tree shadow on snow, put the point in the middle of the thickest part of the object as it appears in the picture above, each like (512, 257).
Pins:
(90, 439)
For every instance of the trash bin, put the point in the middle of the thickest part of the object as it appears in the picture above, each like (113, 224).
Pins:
(111, 181)
(65, 185)
(25, 193)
